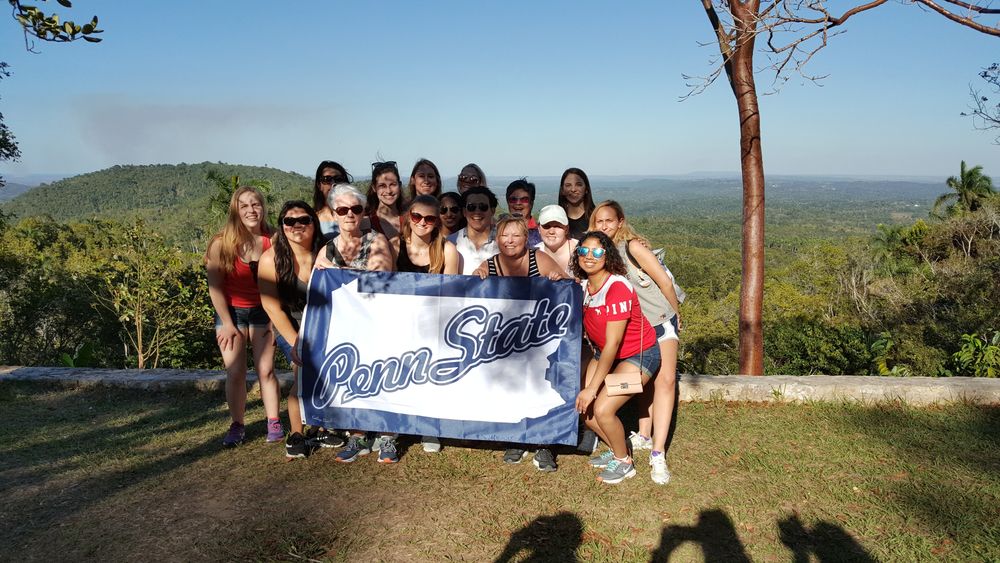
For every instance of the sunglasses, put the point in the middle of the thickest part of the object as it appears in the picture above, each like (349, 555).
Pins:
(386, 164)
(596, 252)
(355, 209)
(417, 217)
(452, 209)
(473, 207)
(304, 220)
(524, 199)
(464, 178)
(331, 180)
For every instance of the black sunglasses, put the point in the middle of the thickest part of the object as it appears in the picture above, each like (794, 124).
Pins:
(331, 180)
(304, 220)
(450, 209)
(473, 207)
(355, 209)
(381, 165)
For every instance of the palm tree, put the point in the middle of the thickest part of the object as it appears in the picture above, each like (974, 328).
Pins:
(971, 188)
(218, 203)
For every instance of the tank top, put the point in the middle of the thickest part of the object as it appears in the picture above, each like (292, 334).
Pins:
(294, 309)
(240, 285)
(403, 263)
(360, 261)
(496, 270)
(654, 305)
(578, 226)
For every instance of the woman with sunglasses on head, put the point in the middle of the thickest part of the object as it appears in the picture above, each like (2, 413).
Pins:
(452, 220)
(424, 180)
(623, 341)
(577, 199)
(515, 259)
(328, 174)
(384, 203)
(283, 279)
(660, 306)
(231, 265)
(470, 176)
(423, 249)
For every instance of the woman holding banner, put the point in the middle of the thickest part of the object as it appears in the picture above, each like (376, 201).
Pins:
(660, 306)
(357, 250)
(283, 277)
(231, 267)
(623, 342)
(515, 259)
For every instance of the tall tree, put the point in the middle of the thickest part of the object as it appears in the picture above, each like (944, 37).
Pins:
(794, 31)
(8, 144)
(970, 188)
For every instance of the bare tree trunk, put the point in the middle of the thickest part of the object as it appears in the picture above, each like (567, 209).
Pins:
(752, 166)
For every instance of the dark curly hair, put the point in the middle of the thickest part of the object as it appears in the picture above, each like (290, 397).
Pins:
(284, 259)
(613, 262)
(319, 200)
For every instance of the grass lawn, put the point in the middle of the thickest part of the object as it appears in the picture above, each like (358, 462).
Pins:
(113, 475)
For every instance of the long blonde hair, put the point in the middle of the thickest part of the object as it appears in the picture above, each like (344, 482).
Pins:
(235, 236)
(625, 232)
(436, 247)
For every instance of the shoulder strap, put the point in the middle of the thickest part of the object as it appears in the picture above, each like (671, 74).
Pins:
(631, 258)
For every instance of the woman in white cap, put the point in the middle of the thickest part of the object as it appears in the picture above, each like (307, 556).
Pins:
(553, 225)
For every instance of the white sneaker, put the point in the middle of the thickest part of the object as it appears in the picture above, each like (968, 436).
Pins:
(376, 444)
(431, 444)
(640, 442)
(659, 472)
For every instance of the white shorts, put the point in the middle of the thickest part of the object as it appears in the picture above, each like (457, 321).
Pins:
(665, 332)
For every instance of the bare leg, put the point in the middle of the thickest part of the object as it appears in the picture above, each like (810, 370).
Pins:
(664, 394)
(262, 340)
(294, 412)
(606, 415)
(235, 361)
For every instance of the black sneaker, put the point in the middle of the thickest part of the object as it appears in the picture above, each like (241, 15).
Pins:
(296, 446)
(514, 455)
(544, 460)
(588, 442)
(323, 438)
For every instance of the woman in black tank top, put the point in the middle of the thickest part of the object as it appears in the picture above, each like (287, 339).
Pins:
(283, 277)
(422, 247)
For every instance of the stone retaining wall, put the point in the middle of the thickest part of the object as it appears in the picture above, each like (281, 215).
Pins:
(776, 388)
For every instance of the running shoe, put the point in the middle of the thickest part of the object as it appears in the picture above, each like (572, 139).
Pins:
(323, 438)
(640, 442)
(617, 471)
(357, 446)
(601, 461)
(659, 472)
(275, 433)
(431, 444)
(235, 435)
(514, 455)
(387, 453)
(296, 446)
(544, 460)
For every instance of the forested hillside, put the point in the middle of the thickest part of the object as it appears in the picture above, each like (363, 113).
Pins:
(172, 199)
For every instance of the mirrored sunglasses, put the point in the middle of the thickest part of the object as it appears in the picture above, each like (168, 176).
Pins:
(596, 252)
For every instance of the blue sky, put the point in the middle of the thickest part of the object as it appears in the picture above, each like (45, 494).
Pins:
(522, 88)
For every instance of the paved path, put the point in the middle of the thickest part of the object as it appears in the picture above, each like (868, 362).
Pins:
(912, 390)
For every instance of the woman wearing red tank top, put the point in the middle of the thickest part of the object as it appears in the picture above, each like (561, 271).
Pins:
(231, 263)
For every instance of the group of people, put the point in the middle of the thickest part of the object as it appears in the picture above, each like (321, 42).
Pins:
(258, 280)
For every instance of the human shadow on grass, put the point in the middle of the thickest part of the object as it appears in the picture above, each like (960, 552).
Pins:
(546, 538)
(714, 533)
(828, 542)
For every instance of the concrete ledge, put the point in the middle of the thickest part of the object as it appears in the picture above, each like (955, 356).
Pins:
(775, 388)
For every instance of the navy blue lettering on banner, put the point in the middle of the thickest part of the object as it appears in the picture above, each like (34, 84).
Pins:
(509, 335)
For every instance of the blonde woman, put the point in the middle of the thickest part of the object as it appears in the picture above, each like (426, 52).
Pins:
(231, 265)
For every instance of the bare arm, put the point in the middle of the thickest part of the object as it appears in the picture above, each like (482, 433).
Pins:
(227, 335)
(452, 259)
(649, 264)
(267, 283)
(380, 255)
(614, 333)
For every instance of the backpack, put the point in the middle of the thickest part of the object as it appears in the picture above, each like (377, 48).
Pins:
(645, 281)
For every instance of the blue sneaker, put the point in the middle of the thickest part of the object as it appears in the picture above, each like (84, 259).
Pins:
(387, 451)
(357, 446)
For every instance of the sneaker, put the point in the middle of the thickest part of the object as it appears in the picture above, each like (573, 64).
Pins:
(617, 471)
(588, 442)
(323, 438)
(601, 461)
(544, 460)
(640, 442)
(387, 453)
(514, 455)
(377, 444)
(659, 472)
(296, 446)
(275, 433)
(431, 444)
(357, 446)
(235, 435)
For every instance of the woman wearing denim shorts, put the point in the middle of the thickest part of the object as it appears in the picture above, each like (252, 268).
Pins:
(231, 264)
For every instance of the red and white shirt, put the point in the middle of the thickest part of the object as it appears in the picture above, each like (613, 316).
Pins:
(616, 301)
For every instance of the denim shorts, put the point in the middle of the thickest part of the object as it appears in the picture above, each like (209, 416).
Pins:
(648, 361)
(246, 317)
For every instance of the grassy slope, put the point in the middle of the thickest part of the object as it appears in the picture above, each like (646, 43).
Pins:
(115, 475)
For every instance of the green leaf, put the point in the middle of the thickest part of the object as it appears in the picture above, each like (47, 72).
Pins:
(92, 39)
(65, 3)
